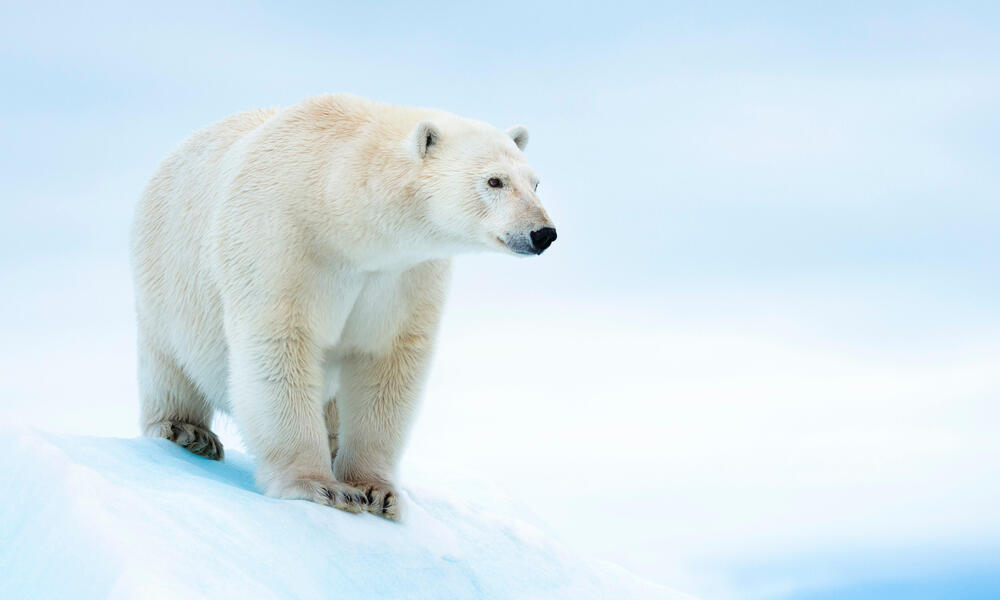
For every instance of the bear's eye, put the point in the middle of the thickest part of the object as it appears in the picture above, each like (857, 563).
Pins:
(495, 183)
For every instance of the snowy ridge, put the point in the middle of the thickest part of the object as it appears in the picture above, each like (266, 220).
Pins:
(89, 517)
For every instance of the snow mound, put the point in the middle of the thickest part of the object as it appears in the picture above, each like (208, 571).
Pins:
(88, 517)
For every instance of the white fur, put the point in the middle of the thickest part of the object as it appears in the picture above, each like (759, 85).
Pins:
(290, 269)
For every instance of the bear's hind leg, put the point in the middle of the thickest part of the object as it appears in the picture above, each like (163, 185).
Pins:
(198, 440)
(171, 407)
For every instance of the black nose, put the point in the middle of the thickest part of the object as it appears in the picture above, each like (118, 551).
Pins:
(543, 238)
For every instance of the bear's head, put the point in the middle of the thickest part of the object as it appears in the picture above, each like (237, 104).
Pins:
(480, 191)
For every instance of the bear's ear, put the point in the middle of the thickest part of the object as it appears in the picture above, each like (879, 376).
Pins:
(520, 136)
(424, 135)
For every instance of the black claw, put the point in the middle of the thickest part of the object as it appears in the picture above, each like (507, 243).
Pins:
(368, 494)
(326, 493)
(386, 503)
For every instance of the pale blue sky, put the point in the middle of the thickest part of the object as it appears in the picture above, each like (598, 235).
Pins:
(829, 169)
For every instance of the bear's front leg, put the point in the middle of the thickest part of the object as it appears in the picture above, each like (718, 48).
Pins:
(376, 402)
(276, 401)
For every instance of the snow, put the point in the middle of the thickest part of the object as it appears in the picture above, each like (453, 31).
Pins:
(89, 517)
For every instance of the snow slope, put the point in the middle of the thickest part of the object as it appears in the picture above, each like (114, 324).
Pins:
(84, 517)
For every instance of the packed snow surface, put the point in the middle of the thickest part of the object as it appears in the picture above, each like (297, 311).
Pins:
(84, 517)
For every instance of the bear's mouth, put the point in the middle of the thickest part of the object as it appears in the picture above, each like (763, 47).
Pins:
(503, 245)
(517, 245)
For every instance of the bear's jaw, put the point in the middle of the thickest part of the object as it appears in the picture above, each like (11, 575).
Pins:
(403, 259)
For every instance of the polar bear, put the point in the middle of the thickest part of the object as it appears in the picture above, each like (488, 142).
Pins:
(290, 268)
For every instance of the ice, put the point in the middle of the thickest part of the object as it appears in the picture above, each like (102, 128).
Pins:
(89, 517)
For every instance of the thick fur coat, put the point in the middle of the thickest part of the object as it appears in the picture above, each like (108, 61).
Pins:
(290, 270)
